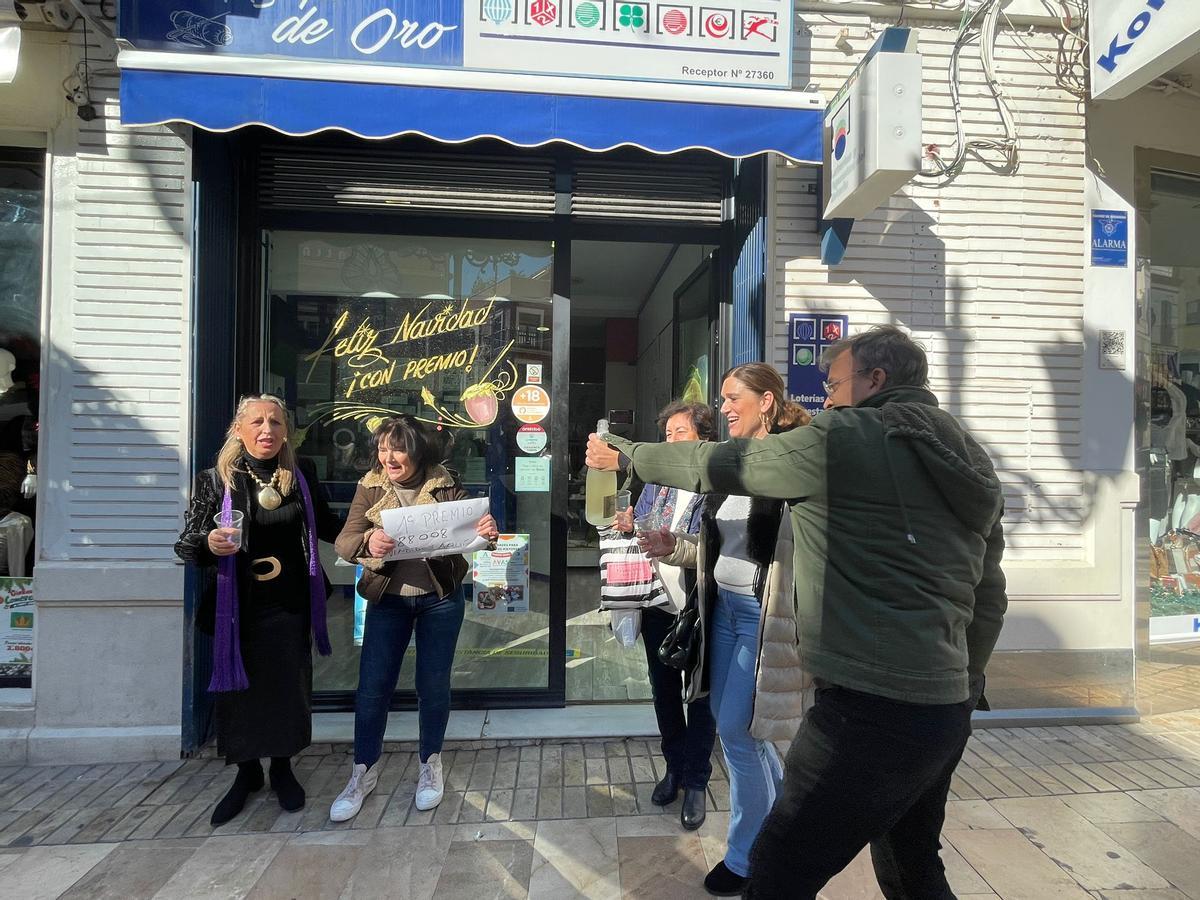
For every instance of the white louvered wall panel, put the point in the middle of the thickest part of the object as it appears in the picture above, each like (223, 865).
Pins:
(987, 272)
(126, 414)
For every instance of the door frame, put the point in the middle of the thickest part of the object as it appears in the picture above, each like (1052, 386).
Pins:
(234, 298)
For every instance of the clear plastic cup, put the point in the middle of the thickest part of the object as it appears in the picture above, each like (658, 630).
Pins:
(623, 500)
(626, 625)
(230, 525)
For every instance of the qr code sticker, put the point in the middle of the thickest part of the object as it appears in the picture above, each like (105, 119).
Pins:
(1112, 349)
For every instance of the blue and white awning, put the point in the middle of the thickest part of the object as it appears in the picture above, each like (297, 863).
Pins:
(305, 97)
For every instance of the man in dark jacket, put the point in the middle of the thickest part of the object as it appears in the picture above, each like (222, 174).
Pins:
(900, 598)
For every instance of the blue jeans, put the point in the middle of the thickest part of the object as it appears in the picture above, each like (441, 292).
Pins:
(390, 624)
(755, 770)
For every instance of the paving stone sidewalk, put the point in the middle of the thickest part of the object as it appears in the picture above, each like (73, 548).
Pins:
(1063, 812)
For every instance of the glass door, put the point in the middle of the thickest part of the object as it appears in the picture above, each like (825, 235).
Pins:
(1168, 673)
(457, 332)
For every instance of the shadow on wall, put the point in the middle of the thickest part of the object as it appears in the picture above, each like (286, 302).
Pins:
(1030, 421)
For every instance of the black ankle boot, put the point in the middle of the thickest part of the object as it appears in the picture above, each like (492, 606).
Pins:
(248, 780)
(721, 882)
(666, 790)
(694, 809)
(283, 782)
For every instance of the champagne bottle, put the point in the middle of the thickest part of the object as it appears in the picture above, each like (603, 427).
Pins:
(600, 491)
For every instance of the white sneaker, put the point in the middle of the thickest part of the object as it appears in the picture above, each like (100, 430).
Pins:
(429, 784)
(350, 800)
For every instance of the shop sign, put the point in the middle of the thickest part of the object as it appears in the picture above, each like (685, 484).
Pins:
(16, 631)
(1165, 629)
(808, 336)
(731, 42)
(1133, 42)
(501, 576)
(1110, 237)
(873, 128)
(363, 359)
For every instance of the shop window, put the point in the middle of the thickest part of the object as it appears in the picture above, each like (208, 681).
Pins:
(22, 196)
(449, 330)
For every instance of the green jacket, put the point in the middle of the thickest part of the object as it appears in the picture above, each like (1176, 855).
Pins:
(896, 521)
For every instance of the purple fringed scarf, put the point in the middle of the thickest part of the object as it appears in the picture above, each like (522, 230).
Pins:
(229, 674)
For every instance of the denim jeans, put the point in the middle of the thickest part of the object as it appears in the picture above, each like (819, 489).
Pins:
(687, 742)
(390, 624)
(755, 770)
(862, 770)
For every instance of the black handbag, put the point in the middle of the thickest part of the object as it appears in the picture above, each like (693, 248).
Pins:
(681, 647)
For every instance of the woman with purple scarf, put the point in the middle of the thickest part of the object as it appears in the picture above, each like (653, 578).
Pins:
(264, 595)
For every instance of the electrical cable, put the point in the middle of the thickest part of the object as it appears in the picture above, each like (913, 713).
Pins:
(987, 15)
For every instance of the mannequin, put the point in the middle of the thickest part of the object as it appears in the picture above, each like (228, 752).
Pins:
(8, 363)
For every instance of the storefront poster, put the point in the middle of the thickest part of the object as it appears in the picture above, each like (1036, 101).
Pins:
(16, 631)
(808, 336)
(435, 529)
(532, 473)
(737, 42)
(501, 576)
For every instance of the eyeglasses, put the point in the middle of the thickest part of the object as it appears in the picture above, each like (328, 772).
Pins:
(831, 386)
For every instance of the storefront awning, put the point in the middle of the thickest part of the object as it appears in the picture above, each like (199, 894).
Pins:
(225, 93)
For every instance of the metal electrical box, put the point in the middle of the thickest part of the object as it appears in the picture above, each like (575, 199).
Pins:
(873, 128)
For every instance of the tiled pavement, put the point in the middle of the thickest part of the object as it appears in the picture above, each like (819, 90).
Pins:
(1065, 812)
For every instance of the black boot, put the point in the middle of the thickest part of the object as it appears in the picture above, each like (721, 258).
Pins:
(248, 780)
(666, 790)
(721, 882)
(284, 784)
(694, 810)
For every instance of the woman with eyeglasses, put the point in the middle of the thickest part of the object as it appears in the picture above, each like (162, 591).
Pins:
(253, 526)
(751, 660)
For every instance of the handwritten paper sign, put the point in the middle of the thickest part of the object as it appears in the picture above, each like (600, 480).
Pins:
(435, 529)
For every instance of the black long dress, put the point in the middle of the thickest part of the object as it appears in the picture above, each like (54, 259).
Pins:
(273, 717)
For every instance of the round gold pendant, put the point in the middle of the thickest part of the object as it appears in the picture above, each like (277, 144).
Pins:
(268, 498)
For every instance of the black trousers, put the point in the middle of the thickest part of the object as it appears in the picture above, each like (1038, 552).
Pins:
(862, 770)
(687, 743)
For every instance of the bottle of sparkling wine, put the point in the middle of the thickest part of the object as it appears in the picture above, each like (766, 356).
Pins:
(600, 491)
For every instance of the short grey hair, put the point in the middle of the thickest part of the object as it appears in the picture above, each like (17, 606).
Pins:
(883, 347)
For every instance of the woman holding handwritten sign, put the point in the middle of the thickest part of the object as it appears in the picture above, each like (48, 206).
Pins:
(253, 526)
(404, 596)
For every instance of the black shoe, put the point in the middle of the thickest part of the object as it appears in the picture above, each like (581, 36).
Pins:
(720, 882)
(249, 779)
(287, 789)
(666, 790)
(694, 810)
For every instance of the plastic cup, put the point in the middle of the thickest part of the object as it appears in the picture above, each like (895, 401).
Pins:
(623, 500)
(626, 625)
(652, 521)
(230, 525)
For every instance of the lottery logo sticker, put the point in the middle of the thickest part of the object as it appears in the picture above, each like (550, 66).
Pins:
(531, 404)
(531, 438)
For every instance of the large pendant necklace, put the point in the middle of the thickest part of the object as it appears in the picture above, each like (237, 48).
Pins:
(268, 496)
